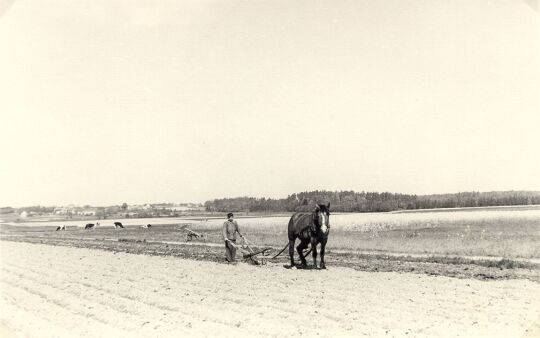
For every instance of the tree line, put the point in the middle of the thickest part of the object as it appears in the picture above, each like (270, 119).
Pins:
(351, 201)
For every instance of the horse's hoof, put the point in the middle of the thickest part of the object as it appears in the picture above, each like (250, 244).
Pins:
(323, 267)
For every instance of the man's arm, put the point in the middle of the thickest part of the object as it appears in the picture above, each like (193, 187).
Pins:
(238, 229)
(224, 232)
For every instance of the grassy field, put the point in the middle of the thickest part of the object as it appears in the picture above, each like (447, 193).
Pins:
(508, 232)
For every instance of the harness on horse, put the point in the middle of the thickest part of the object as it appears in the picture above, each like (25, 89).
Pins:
(315, 224)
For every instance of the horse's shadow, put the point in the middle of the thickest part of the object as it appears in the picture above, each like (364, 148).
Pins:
(301, 267)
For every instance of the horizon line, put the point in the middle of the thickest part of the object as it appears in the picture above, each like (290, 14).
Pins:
(246, 196)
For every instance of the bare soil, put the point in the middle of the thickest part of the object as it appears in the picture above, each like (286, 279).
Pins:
(62, 291)
(483, 268)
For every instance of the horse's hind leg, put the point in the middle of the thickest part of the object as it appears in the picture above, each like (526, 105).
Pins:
(291, 251)
(300, 249)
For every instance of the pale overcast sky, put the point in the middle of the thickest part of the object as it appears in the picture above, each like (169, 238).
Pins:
(111, 101)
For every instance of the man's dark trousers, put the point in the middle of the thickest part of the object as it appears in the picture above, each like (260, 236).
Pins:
(230, 250)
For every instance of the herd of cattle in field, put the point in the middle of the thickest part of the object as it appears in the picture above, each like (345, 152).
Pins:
(91, 226)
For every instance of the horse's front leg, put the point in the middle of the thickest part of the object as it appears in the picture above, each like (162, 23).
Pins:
(314, 251)
(323, 249)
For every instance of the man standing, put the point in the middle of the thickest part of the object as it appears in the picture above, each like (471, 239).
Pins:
(230, 228)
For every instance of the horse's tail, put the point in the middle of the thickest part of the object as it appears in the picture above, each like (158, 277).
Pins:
(279, 253)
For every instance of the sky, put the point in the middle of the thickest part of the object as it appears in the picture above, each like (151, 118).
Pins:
(104, 102)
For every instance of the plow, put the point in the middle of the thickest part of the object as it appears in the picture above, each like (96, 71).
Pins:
(191, 235)
(257, 256)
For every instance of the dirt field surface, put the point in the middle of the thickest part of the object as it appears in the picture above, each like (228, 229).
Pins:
(483, 268)
(58, 291)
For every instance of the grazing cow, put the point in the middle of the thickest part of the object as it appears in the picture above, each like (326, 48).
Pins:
(118, 225)
(309, 228)
(63, 227)
(89, 226)
(146, 226)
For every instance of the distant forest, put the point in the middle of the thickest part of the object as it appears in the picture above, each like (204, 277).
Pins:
(350, 201)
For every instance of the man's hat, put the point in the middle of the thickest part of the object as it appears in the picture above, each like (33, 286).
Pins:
(230, 214)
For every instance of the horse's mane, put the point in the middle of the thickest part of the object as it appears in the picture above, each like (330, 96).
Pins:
(323, 208)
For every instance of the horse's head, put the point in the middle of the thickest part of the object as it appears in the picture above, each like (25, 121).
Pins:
(321, 217)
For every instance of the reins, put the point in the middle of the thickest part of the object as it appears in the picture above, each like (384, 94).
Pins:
(286, 246)
(279, 253)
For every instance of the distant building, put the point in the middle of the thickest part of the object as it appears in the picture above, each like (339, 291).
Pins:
(188, 207)
(87, 212)
(180, 208)
(64, 211)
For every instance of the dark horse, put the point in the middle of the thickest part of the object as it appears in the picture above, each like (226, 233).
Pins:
(309, 228)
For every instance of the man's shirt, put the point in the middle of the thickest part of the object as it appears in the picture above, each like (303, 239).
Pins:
(230, 229)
